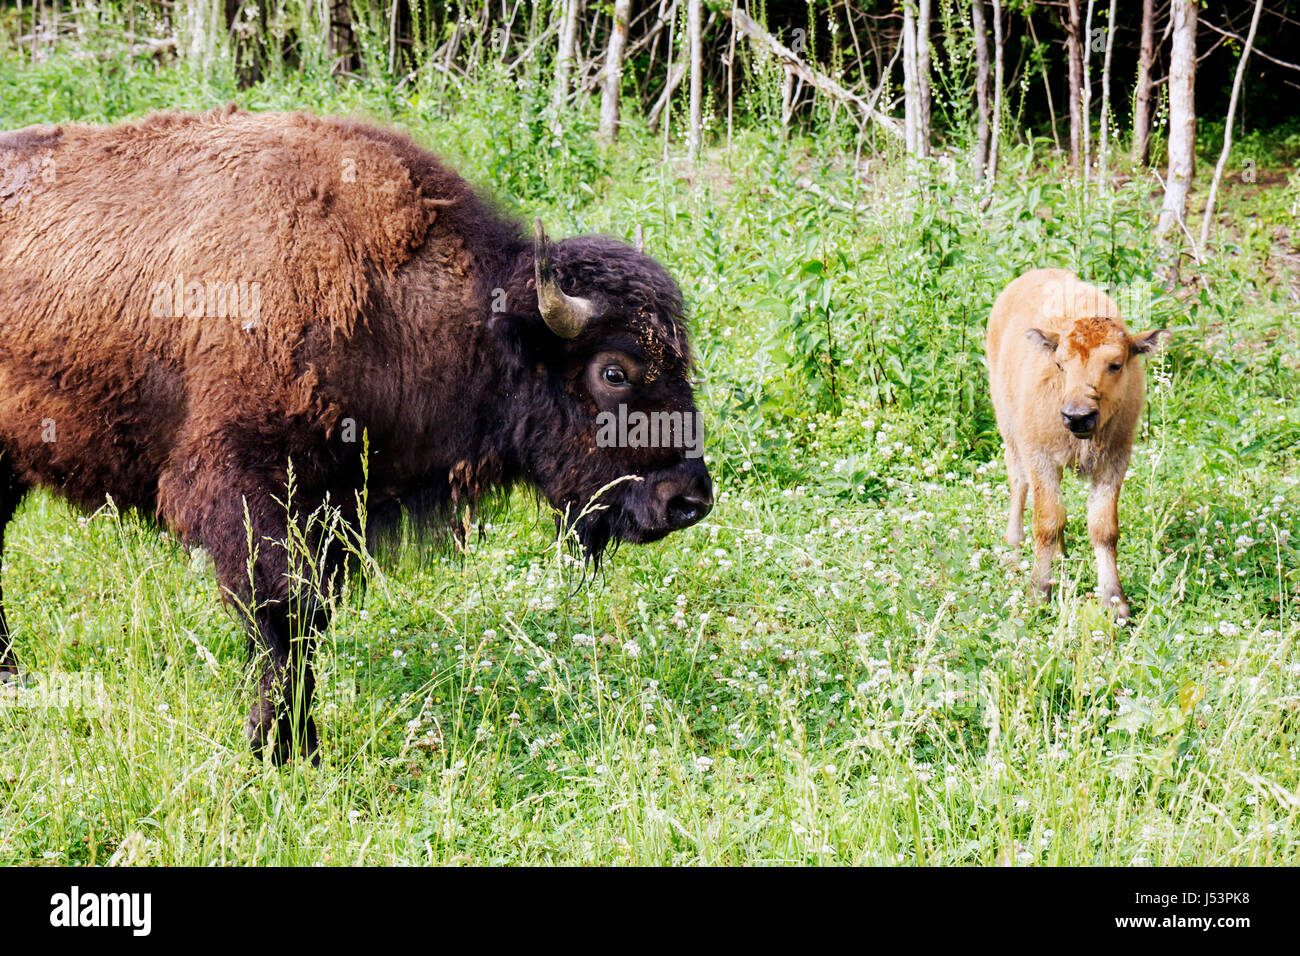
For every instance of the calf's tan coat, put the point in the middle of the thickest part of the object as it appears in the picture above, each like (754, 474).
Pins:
(1068, 389)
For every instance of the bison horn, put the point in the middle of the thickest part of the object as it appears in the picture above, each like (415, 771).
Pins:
(565, 315)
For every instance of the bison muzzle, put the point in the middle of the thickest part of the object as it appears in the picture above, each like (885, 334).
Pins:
(194, 309)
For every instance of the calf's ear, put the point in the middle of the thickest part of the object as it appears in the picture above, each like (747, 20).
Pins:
(1145, 342)
(1048, 340)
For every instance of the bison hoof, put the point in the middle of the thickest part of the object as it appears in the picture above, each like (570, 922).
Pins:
(276, 736)
(9, 674)
(1117, 604)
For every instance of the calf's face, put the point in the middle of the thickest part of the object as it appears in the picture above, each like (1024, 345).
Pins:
(1094, 361)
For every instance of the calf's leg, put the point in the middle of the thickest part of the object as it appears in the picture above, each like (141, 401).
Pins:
(1049, 523)
(1019, 482)
(1103, 532)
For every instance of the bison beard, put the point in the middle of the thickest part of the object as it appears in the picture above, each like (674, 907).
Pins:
(195, 308)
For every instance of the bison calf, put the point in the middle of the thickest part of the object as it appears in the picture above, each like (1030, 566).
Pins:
(1068, 389)
(192, 306)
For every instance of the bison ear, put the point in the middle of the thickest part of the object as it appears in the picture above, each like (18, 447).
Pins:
(1048, 340)
(1147, 341)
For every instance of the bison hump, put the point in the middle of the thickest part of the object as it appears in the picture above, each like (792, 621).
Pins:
(324, 214)
(240, 250)
(287, 203)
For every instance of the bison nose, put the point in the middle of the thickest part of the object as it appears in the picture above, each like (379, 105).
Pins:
(1081, 421)
(685, 510)
(685, 498)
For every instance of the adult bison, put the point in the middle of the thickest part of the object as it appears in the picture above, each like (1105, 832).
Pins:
(1067, 391)
(192, 305)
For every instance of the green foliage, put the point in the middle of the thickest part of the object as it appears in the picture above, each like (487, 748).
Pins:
(537, 154)
(841, 664)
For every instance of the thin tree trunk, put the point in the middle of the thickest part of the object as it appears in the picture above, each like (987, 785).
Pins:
(697, 79)
(1086, 108)
(666, 17)
(911, 99)
(1182, 116)
(507, 31)
(481, 32)
(820, 81)
(392, 39)
(980, 31)
(1142, 102)
(564, 56)
(1227, 128)
(999, 57)
(614, 70)
(1074, 52)
(450, 55)
(1103, 139)
(676, 72)
(859, 63)
(731, 71)
(1047, 83)
(923, 77)
(787, 97)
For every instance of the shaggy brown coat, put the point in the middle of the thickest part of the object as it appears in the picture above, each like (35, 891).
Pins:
(1068, 389)
(191, 304)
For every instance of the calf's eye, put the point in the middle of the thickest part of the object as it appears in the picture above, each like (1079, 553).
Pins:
(614, 375)
(1116, 366)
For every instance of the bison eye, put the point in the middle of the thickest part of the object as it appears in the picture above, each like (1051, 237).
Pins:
(1116, 366)
(614, 375)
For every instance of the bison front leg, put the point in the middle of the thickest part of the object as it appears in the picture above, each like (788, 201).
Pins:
(1103, 532)
(1049, 524)
(293, 580)
(280, 720)
(281, 584)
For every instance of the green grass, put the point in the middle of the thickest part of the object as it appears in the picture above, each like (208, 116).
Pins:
(840, 665)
